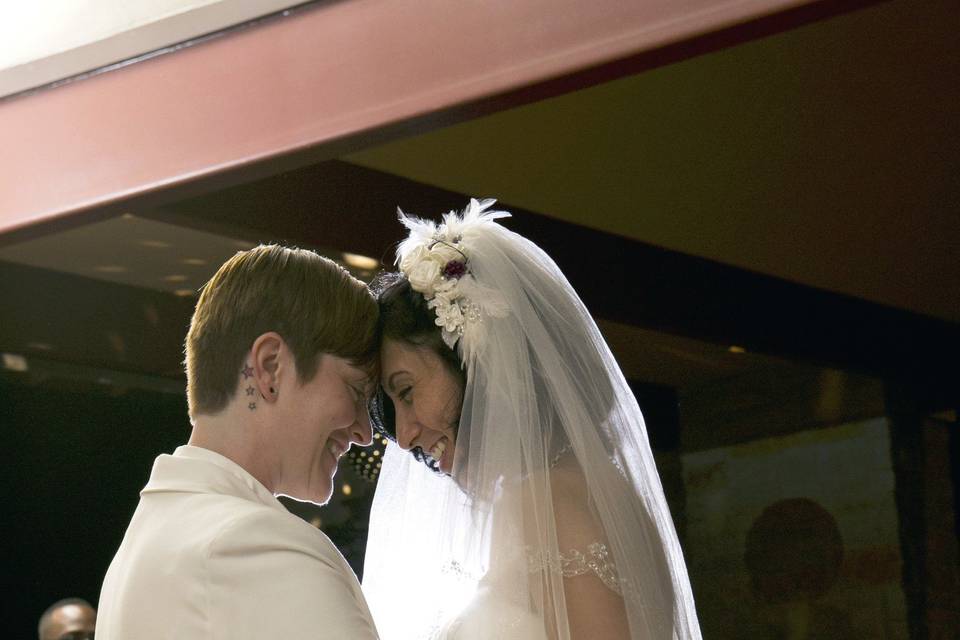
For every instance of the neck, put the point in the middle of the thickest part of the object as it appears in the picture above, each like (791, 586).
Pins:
(236, 435)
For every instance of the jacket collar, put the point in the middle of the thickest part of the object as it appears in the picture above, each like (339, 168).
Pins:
(196, 470)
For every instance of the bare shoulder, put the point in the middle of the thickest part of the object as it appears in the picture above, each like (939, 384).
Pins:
(577, 523)
(593, 609)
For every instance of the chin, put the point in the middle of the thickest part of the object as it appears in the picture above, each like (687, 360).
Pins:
(318, 498)
(323, 497)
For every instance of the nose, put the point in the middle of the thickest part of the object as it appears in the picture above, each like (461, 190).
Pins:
(360, 431)
(407, 431)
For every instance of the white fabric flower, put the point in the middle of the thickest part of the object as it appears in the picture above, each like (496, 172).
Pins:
(444, 252)
(449, 317)
(413, 257)
(423, 276)
(457, 299)
(447, 288)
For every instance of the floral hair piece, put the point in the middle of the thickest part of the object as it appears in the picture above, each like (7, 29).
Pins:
(435, 258)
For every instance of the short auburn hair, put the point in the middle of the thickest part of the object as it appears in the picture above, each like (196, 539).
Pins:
(311, 301)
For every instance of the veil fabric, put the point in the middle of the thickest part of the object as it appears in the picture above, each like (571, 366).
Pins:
(551, 456)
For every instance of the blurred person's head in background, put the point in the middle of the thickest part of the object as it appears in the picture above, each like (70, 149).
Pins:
(68, 619)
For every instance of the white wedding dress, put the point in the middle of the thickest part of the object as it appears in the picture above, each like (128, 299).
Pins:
(554, 492)
(500, 606)
(492, 613)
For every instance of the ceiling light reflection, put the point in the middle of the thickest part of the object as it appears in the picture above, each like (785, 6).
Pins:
(14, 362)
(358, 261)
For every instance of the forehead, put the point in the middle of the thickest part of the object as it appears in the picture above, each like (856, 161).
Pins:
(342, 368)
(73, 613)
(399, 356)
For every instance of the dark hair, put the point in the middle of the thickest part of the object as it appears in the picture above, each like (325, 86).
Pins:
(405, 317)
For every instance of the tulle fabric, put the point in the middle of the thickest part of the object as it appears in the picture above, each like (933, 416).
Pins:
(545, 408)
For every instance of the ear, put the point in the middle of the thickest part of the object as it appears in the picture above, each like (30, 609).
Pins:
(268, 354)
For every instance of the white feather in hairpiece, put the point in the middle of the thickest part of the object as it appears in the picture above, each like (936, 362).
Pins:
(459, 300)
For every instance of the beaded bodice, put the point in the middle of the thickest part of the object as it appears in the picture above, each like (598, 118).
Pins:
(596, 560)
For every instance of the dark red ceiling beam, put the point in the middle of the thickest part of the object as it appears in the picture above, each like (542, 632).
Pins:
(330, 79)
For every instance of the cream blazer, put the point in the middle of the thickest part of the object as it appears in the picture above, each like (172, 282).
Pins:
(211, 554)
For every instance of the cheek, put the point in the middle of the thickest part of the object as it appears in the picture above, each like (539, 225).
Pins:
(343, 411)
(445, 411)
(330, 407)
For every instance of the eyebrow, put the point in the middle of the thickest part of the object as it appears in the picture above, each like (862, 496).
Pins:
(365, 380)
(367, 385)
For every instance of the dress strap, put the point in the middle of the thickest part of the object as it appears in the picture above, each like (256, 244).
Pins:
(574, 563)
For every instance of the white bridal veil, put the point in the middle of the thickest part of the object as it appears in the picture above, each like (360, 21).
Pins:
(553, 474)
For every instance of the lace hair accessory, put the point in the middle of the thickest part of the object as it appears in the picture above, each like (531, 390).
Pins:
(436, 259)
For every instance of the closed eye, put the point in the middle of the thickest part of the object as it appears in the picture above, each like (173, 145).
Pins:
(404, 395)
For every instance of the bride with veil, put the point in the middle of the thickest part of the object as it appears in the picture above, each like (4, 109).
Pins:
(527, 503)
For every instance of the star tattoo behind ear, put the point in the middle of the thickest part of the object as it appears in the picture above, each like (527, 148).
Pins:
(250, 391)
(247, 372)
(252, 406)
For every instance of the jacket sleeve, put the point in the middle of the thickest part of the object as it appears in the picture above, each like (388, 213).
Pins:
(270, 575)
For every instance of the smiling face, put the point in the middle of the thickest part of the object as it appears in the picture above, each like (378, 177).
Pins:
(427, 397)
(316, 424)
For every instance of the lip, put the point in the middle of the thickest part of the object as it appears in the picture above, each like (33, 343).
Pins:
(335, 449)
(443, 462)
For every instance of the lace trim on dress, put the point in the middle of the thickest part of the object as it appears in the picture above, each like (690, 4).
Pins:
(596, 560)
(454, 568)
